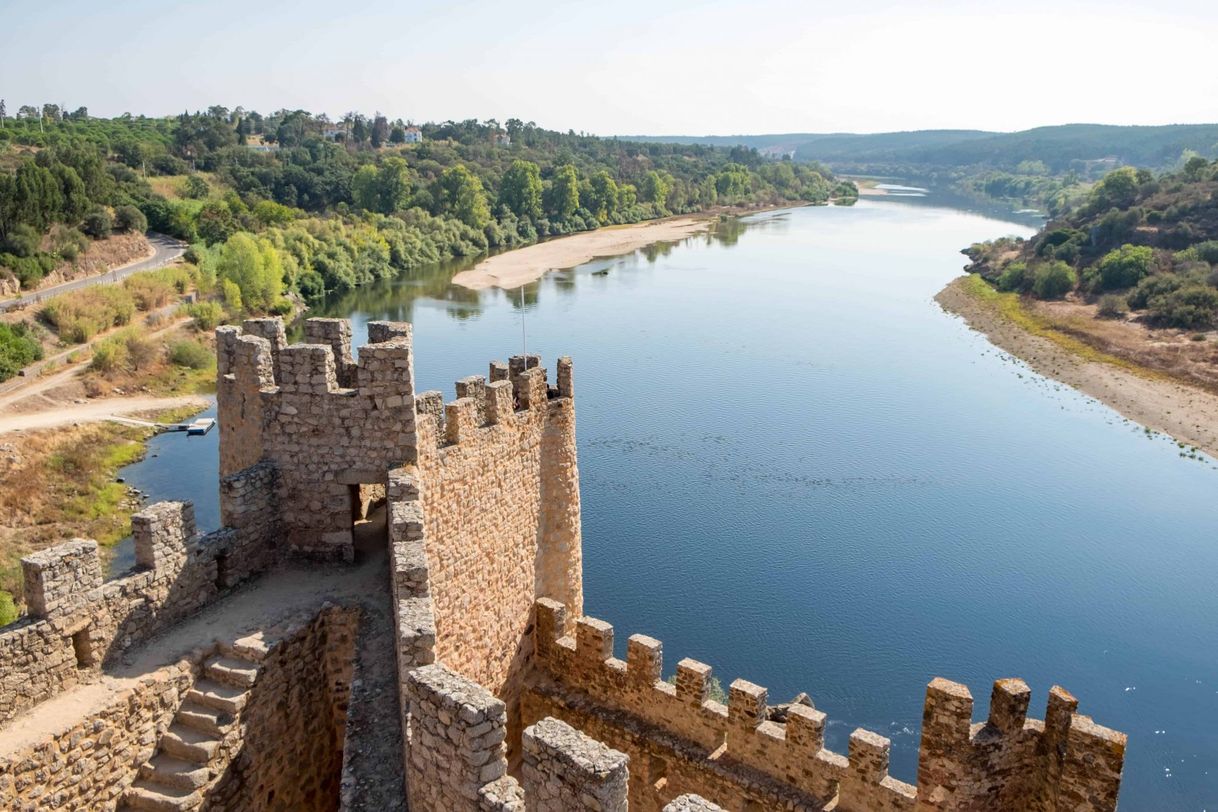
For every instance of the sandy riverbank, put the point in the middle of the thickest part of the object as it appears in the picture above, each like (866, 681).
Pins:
(515, 268)
(1187, 413)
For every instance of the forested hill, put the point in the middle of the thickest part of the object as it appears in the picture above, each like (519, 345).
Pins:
(1059, 148)
(1138, 241)
(295, 201)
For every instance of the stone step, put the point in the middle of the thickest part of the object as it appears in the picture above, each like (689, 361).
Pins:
(253, 647)
(168, 771)
(218, 695)
(189, 744)
(158, 798)
(204, 717)
(231, 671)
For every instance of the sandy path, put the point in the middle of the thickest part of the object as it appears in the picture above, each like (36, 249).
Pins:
(1188, 414)
(93, 411)
(524, 265)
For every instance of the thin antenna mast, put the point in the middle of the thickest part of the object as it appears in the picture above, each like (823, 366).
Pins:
(524, 339)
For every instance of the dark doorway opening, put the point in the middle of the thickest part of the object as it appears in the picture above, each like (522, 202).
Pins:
(369, 520)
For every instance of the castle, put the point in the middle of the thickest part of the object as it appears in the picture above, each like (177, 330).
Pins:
(392, 617)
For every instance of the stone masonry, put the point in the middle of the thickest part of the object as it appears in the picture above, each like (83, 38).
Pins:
(508, 697)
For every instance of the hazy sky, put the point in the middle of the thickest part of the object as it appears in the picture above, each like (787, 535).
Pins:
(627, 66)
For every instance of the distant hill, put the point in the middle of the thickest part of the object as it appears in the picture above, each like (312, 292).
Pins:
(1064, 148)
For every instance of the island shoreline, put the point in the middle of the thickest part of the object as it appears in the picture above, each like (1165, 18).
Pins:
(522, 266)
(1146, 396)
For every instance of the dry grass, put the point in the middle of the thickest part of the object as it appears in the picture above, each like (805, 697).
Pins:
(59, 484)
(172, 186)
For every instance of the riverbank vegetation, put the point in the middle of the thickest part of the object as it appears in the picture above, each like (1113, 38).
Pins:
(329, 205)
(1132, 269)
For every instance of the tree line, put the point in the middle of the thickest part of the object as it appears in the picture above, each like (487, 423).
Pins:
(467, 187)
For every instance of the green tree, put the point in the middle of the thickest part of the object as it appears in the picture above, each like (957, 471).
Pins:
(655, 188)
(520, 189)
(129, 218)
(255, 267)
(1053, 280)
(98, 224)
(732, 183)
(1124, 267)
(604, 196)
(458, 193)
(1194, 167)
(195, 187)
(1119, 188)
(563, 198)
(365, 191)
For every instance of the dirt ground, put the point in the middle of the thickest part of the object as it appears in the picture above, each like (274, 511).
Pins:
(1188, 355)
(1173, 405)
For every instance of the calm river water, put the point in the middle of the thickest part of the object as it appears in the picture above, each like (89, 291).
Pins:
(797, 468)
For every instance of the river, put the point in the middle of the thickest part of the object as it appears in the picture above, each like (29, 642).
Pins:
(797, 468)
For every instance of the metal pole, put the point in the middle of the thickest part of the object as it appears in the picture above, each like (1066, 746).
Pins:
(524, 340)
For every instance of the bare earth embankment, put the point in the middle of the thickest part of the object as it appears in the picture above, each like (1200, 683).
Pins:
(1187, 413)
(525, 265)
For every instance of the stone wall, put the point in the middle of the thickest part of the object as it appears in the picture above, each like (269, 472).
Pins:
(458, 760)
(499, 488)
(89, 763)
(455, 739)
(414, 618)
(288, 756)
(326, 423)
(564, 770)
(680, 741)
(77, 623)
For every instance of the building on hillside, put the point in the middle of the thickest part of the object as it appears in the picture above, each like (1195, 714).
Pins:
(413, 135)
(501, 139)
(334, 133)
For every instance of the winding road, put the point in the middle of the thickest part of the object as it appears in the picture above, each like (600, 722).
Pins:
(164, 251)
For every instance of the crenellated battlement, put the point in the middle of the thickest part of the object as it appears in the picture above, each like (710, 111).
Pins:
(510, 698)
(515, 391)
(326, 422)
(1006, 762)
(77, 623)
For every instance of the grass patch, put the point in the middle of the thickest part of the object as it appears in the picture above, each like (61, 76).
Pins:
(1069, 336)
(59, 484)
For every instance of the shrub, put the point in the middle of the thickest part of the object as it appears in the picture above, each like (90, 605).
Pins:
(1053, 280)
(98, 224)
(1151, 287)
(129, 218)
(22, 241)
(28, 270)
(1112, 306)
(152, 289)
(231, 292)
(82, 314)
(69, 243)
(1192, 307)
(1124, 267)
(195, 187)
(207, 315)
(125, 351)
(190, 354)
(1014, 277)
(18, 349)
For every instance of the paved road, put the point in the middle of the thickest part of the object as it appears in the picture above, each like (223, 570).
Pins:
(165, 251)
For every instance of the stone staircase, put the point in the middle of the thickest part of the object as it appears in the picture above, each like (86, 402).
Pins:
(189, 755)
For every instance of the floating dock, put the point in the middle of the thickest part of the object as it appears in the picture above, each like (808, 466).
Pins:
(195, 428)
